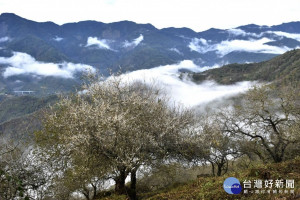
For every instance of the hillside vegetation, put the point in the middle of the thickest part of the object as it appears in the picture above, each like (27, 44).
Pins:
(13, 106)
(282, 69)
(117, 131)
(211, 188)
(19, 116)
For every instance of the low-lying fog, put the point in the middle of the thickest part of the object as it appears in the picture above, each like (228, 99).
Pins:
(182, 89)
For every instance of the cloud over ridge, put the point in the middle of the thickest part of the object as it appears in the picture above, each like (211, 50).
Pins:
(4, 39)
(184, 90)
(295, 36)
(22, 63)
(58, 39)
(228, 46)
(100, 43)
(134, 42)
(240, 32)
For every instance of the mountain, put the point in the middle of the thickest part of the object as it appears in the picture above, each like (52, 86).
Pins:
(47, 58)
(19, 115)
(12, 107)
(283, 69)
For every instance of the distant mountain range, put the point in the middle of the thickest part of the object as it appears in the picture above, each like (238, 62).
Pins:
(21, 114)
(47, 58)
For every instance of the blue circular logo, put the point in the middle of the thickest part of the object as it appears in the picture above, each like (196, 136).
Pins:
(232, 186)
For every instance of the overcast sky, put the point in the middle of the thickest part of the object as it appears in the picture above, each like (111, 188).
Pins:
(196, 14)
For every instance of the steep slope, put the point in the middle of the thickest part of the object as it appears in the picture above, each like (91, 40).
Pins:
(212, 187)
(37, 48)
(19, 116)
(13, 107)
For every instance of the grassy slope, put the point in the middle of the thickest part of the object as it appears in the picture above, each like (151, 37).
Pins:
(212, 187)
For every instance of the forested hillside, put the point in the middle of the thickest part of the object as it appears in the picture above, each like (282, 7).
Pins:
(283, 69)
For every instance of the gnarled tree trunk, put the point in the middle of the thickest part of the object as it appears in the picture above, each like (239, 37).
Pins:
(133, 184)
(120, 181)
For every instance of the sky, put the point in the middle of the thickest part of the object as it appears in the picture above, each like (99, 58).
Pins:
(198, 15)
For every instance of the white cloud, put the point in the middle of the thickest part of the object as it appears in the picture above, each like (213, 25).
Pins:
(225, 47)
(4, 39)
(236, 32)
(240, 32)
(176, 50)
(102, 44)
(58, 39)
(205, 68)
(200, 45)
(294, 36)
(22, 63)
(133, 43)
(255, 46)
(184, 90)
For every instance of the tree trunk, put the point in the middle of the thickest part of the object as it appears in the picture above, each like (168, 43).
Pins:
(94, 190)
(120, 181)
(133, 185)
(220, 166)
(86, 193)
(212, 168)
(219, 172)
(277, 158)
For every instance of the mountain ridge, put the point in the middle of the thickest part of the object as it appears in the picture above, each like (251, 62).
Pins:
(277, 26)
(129, 45)
(283, 70)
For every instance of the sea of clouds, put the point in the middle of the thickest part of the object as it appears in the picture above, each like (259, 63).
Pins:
(180, 89)
(22, 63)
(183, 90)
